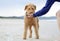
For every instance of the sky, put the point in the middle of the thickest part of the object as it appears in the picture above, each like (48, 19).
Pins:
(16, 7)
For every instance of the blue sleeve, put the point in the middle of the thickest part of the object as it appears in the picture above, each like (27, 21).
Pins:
(45, 9)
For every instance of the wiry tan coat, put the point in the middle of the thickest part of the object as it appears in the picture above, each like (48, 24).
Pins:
(29, 22)
(58, 18)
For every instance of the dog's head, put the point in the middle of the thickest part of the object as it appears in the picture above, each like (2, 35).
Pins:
(30, 8)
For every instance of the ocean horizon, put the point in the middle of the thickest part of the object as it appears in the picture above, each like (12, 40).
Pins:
(22, 17)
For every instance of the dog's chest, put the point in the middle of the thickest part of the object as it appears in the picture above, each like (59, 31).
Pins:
(31, 21)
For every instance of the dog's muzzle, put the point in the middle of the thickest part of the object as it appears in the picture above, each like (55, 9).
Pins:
(28, 15)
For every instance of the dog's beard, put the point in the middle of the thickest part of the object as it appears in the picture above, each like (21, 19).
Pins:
(28, 14)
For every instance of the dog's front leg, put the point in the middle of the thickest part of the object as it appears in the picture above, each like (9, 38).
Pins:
(25, 31)
(30, 28)
(36, 31)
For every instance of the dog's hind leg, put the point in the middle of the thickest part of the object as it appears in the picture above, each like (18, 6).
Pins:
(38, 22)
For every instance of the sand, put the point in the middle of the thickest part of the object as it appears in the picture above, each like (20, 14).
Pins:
(12, 30)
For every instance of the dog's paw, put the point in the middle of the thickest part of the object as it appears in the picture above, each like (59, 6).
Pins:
(37, 37)
(30, 36)
(24, 38)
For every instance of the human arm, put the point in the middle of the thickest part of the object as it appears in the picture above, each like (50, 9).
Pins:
(45, 9)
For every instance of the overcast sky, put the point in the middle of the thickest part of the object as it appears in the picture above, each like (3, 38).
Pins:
(16, 7)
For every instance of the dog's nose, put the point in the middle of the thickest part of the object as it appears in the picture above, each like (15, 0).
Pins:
(31, 12)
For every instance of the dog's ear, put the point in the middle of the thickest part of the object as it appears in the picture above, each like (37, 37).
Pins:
(25, 7)
(35, 7)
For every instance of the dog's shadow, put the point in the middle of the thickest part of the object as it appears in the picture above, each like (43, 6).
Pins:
(41, 39)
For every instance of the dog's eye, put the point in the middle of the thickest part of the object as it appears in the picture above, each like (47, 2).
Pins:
(32, 9)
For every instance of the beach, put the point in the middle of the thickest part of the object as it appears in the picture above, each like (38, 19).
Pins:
(12, 30)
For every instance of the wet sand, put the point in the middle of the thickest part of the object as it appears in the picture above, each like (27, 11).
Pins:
(12, 30)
